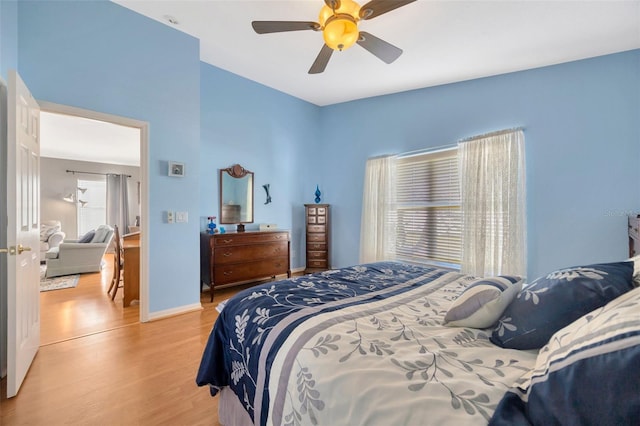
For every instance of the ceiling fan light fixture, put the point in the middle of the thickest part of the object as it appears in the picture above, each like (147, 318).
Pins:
(340, 33)
(340, 26)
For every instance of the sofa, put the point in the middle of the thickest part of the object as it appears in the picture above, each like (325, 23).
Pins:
(51, 236)
(77, 256)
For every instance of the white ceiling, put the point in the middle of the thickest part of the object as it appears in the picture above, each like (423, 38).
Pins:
(444, 41)
(82, 139)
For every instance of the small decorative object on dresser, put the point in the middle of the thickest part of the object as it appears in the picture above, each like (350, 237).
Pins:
(232, 257)
(212, 225)
(317, 220)
(318, 194)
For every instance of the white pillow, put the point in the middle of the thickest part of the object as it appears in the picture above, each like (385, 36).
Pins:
(636, 270)
(48, 230)
(483, 302)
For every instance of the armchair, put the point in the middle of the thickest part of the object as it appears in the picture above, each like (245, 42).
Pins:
(75, 258)
(51, 236)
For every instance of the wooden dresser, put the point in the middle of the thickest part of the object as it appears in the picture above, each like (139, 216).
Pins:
(235, 257)
(317, 220)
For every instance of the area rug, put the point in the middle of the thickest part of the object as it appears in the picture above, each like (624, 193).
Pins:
(56, 283)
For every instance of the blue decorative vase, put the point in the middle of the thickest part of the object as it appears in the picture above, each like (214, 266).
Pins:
(211, 225)
(318, 194)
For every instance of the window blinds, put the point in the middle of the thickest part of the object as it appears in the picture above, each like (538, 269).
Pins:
(428, 218)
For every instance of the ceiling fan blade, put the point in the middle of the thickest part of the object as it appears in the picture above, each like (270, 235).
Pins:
(385, 51)
(332, 4)
(378, 7)
(321, 60)
(265, 27)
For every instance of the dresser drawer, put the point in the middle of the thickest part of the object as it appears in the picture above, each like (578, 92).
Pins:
(316, 238)
(311, 220)
(255, 270)
(322, 211)
(314, 246)
(317, 255)
(243, 253)
(316, 228)
(231, 239)
(314, 263)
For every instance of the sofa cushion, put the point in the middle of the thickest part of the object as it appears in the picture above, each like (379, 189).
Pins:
(52, 253)
(48, 228)
(86, 238)
(101, 233)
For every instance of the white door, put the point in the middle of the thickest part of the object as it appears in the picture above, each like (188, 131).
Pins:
(23, 231)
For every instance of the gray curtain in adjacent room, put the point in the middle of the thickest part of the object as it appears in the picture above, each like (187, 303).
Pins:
(118, 202)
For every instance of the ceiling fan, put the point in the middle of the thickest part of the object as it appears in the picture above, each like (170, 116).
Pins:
(339, 25)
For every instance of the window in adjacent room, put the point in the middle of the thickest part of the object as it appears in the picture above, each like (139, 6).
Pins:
(92, 211)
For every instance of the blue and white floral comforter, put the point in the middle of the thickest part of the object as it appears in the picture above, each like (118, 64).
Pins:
(359, 345)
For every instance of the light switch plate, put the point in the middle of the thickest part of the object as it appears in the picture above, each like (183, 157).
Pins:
(182, 217)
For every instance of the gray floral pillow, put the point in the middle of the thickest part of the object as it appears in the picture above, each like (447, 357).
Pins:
(48, 230)
(556, 300)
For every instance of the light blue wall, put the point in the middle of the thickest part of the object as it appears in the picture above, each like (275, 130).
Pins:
(100, 56)
(267, 132)
(582, 131)
(8, 37)
(580, 119)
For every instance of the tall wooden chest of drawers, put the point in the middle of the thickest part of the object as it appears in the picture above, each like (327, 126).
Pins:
(317, 220)
(243, 256)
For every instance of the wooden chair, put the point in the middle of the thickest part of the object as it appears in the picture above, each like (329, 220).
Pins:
(118, 264)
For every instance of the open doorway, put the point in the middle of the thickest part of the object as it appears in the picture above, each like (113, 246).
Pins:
(82, 152)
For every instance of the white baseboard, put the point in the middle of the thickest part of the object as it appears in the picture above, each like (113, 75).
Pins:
(153, 316)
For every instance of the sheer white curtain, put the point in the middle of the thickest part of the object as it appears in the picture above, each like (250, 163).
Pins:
(118, 202)
(377, 229)
(492, 183)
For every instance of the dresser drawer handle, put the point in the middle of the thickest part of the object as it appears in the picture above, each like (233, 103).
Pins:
(227, 254)
(227, 241)
(316, 246)
(227, 273)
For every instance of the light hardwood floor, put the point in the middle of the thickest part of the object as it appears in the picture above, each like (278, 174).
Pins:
(99, 366)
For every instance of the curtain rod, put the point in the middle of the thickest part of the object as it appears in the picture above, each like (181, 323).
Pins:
(427, 151)
(94, 173)
(496, 133)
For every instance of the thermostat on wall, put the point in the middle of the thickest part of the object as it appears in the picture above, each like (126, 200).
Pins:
(268, 226)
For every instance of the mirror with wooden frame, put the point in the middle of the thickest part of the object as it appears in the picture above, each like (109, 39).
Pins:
(236, 196)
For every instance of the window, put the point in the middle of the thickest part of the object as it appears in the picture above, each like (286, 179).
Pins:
(428, 221)
(92, 211)
(462, 207)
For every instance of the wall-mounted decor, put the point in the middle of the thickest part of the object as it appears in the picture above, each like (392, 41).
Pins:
(266, 189)
(176, 169)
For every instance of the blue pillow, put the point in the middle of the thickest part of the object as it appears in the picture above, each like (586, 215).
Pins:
(586, 375)
(552, 302)
(86, 238)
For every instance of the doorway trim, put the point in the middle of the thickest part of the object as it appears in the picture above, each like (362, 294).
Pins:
(143, 126)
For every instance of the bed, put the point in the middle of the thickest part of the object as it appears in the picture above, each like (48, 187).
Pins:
(369, 345)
